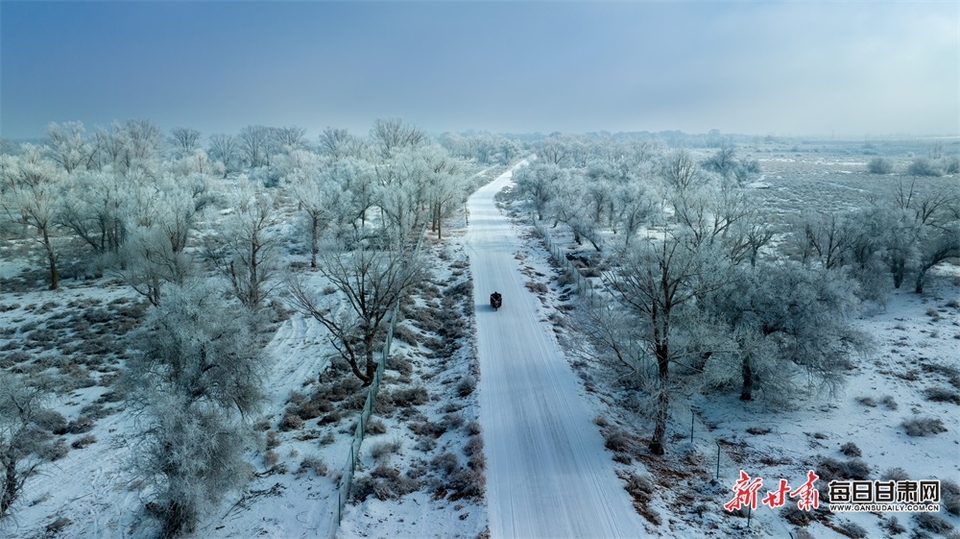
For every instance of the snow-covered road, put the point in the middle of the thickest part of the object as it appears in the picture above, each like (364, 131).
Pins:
(548, 474)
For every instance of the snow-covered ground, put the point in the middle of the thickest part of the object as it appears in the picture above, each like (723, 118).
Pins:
(543, 424)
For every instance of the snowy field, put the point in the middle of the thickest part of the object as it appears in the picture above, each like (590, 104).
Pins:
(498, 424)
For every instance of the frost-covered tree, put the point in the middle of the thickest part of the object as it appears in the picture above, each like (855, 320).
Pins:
(225, 149)
(129, 146)
(155, 254)
(537, 182)
(445, 185)
(404, 195)
(567, 207)
(184, 141)
(288, 139)
(246, 246)
(370, 283)
(880, 165)
(680, 171)
(562, 149)
(95, 209)
(254, 145)
(336, 143)
(68, 146)
(711, 214)
(789, 322)
(922, 231)
(22, 437)
(392, 134)
(315, 184)
(923, 166)
(658, 282)
(724, 161)
(195, 379)
(32, 188)
(632, 207)
(940, 245)
(825, 238)
(188, 347)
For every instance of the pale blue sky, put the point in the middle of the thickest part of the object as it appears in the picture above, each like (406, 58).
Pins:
(844, 68)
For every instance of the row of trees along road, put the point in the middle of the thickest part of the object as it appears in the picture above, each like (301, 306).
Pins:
(202, 232)
(707, 287)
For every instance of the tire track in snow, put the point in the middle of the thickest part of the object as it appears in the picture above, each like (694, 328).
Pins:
(548, 474)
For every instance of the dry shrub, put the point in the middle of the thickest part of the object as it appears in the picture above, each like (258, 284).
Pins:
(405, 334)
(467, 483)
(950, 496)
(270, 459)
(474, 451)
(415, 396)
(80, 425)
(850, 449)
(832, 469)
(893, 526)
(473, 428)
(84, 441)
(466, 386)
(852, 530)
(51, 420)
(923, 426)
(313, 463)
(895, 474)
(867, 401)
(384, 483)
(428, 428)
(792, 514)
(425, 317)
(889, 402)
(55, 451)
(290, 421)
(272, 439)
(452, 421)
(425, 445)
(383, 405)
(474, 446)
(332, 417)
(641, 488)
(338, 391)
(537, 288)
(933, 523)
(453, 328)
(624, 444)
(942, 394)
(444, 464)
(375, 426)
(401, 364)
(382, 451)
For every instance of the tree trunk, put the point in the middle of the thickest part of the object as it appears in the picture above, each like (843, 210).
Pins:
(371, 372)
(52, 260)
(898, 268)
(663, 399)
(747, 372)
(314, 238)
(10, 483)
